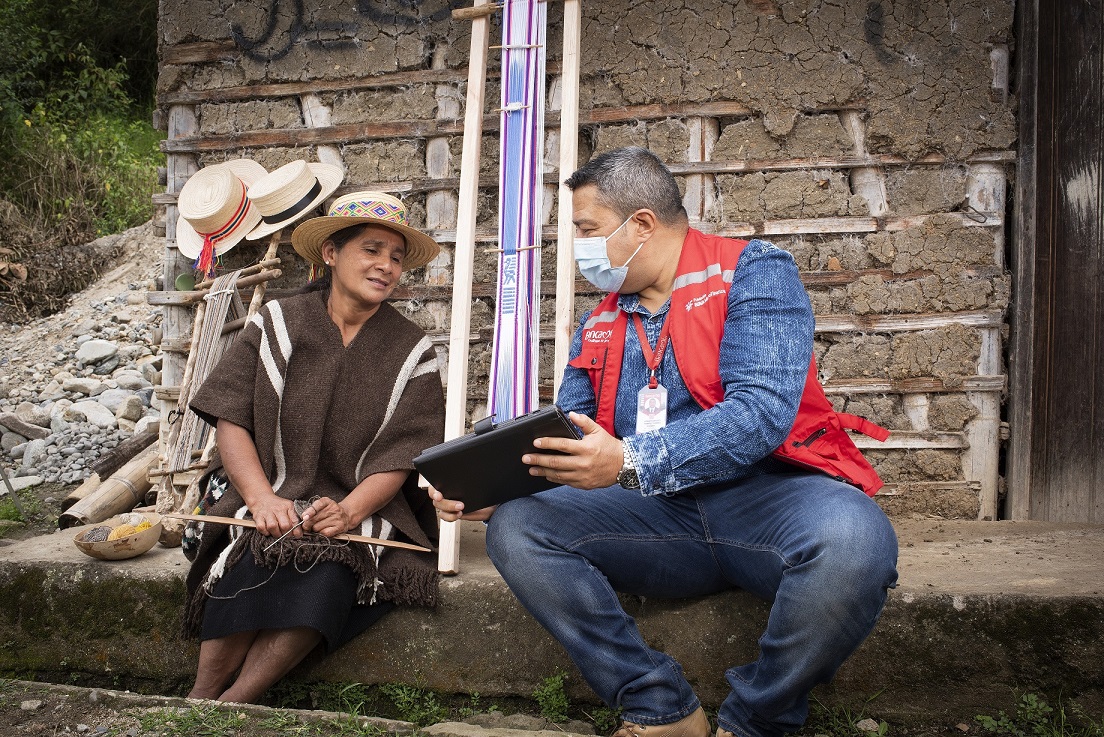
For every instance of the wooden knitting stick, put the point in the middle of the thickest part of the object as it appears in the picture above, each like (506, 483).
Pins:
(463, 266)
(569, 160)
(343, 536)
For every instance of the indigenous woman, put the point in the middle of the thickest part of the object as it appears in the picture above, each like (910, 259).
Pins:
(320, 405)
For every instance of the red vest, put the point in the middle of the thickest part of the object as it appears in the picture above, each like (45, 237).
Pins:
(699, 306)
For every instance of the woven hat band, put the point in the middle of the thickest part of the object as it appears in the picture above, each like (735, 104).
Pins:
(372, 209)
(297, 208)
(244, 206)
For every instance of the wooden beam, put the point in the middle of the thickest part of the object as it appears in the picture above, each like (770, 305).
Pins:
(490, 181)
(1022, 350)
(904, 488)
(200, 52)
(904, 323)
(913, 440)
(245, 93)
(919, 385)
(566, 284)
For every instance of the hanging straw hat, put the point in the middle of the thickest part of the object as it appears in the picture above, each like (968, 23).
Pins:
(214, 210)
(374, 208)
(290, 192)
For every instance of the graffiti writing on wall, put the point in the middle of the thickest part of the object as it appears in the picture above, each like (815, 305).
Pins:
(286, 25)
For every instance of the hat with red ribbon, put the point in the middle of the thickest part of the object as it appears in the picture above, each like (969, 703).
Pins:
(215, 213)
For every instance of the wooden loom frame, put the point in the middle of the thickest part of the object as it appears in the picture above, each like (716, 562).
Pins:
(464, 258)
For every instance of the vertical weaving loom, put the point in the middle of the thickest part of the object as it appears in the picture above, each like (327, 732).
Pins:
(513, 379)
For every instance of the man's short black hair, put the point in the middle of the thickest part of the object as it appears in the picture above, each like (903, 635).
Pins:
(629, 179)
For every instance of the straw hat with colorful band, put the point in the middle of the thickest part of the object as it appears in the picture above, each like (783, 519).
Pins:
(374, 208)
(291, 192)
(215, 213)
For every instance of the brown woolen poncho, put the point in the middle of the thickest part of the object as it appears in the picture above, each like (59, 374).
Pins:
(324, 416)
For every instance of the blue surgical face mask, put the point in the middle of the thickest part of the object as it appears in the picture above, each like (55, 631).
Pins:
(592, 256)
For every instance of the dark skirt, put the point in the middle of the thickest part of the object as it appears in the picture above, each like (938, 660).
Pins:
(251, 597)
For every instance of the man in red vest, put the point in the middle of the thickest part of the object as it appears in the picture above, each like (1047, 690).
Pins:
(710, 459)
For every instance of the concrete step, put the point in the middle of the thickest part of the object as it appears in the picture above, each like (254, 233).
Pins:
(984, 611)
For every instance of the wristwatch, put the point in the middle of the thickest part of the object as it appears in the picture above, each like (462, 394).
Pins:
(627, 477)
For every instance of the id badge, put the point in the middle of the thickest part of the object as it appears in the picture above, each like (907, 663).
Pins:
(651, 409)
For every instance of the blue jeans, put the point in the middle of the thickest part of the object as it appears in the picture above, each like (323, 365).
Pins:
(821, 551)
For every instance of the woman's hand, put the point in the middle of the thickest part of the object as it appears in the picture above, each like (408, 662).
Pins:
(274, 516)
(449, 510)
(326, 517)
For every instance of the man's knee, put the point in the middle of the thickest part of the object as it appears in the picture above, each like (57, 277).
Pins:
(858, 539)
(508, 531)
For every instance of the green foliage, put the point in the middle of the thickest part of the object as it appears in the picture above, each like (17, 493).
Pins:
(1034, 717)
(8, 510)
(415, 704)
(605, 720)
(552, 698)
(80, 159)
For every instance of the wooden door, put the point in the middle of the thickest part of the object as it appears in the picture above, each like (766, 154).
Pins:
(1060, 426)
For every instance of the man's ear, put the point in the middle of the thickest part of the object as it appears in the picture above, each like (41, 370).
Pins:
(646, 223)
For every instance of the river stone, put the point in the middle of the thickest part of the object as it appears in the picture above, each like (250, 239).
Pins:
(16, 424)
(33, 414)
(96, 350)
(34, 453)
(81, 385)
(114, 398)
(90, 411)
(130, 409)
(84, 327)
(145, 423)
(131, 381)
(9, 440)
(19, 483)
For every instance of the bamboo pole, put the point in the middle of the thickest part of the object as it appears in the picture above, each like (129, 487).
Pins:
(463, 268)
(89, 485)
(569, 160)
(121, 492)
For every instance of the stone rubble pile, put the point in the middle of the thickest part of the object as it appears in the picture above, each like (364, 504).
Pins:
(63, 405)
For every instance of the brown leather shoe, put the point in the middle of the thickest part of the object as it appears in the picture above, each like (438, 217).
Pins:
(696, 724)
(724, 733)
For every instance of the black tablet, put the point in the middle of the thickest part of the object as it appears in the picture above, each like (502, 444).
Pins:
(484, 468)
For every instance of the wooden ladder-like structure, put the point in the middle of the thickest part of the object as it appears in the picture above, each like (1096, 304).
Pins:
(464, 258)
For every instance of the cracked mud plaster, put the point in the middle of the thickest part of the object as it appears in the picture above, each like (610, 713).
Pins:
(921, 70)
(384, 161)
(811, 135)
(270, 158)
(874, 295)
(322, 39)
(919, 191)
(949, 353)
(667, 139)
(928, 464)
(249, 116)
(915, 500)
(940, 244)
(416, 102)
(793, 194)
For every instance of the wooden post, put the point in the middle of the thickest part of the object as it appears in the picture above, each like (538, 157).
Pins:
(980, 461)
(867, 181)
(569, 160)
(463, 267)
(317, 115)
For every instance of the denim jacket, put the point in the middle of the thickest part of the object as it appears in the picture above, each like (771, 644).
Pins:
(765, 353)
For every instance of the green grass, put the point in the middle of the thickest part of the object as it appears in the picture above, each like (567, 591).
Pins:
(196, 721)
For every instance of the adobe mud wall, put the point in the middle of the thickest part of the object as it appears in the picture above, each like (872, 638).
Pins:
(872, 139)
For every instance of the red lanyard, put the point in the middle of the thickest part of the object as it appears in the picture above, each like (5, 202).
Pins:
(652, 358)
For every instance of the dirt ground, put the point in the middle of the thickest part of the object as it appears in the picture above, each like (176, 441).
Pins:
(36, 710)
